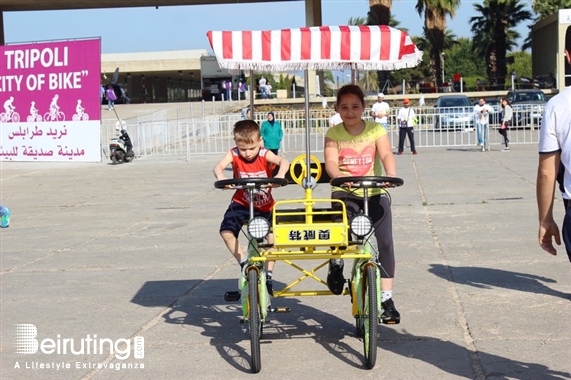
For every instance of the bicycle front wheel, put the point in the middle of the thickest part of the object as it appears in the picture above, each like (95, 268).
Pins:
(254, 320)
(370, 316)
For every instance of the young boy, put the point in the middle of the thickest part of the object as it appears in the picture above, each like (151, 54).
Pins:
(249, 160)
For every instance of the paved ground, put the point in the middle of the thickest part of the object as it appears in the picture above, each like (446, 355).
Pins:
(133, 250)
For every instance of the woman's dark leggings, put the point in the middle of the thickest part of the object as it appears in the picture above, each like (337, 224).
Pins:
(380, 213)
(504, 133)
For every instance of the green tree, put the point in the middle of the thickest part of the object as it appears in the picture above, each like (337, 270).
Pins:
(459, 58)
(546, 8)
(282, 83)
(543, 9)
(522, 64)
(435, 13)
(357, 21)
(494, 34)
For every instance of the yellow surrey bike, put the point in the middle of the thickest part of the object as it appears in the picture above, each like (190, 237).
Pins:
(308, 229)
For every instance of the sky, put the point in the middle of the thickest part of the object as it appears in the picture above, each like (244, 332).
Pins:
(130, 30)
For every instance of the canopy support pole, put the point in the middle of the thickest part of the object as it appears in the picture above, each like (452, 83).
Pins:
(307, 130)
(251, 90)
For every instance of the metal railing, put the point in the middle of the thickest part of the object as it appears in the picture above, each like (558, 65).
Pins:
(213, 134)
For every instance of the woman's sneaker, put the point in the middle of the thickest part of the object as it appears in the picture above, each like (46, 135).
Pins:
(5, 219)
(390, 314)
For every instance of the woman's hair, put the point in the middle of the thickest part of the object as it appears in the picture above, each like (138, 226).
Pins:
(246, 132)
(506, 100)
(350, 89)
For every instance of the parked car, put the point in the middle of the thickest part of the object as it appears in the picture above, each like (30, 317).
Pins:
(528, 106)
(453, 112)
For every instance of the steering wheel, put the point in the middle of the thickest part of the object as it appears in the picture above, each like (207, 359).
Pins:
(245, 183)
(368, 182)
(301, 160)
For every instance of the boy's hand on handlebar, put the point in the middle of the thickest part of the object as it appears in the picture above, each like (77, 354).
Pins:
(276, 185)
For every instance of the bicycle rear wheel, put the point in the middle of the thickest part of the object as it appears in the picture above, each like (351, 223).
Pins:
(254, 320)
(370, 316)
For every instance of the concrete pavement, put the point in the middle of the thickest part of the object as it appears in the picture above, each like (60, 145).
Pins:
(133, 250)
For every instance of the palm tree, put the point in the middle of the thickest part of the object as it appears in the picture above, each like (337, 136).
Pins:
(494, 34)
(435, 12)
(357, 21)
(380, 12)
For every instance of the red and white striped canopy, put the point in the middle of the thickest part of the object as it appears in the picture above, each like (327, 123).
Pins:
(371, 47)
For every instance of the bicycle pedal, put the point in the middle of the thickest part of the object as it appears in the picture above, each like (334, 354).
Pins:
(279, 309)
(390, 322)
(232, 296)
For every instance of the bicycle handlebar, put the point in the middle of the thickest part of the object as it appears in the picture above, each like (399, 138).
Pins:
(245, 183)
(368, 182)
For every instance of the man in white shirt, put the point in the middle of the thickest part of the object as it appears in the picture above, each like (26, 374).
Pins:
(482, 113)
(555, 150)
(380, 111)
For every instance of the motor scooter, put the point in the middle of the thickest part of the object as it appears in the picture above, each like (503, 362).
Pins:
(121, 148)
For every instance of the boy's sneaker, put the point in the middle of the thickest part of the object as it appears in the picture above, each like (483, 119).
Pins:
(270, 286)
(335, 279)
(506, 149)
(5, 219)
(390, 314)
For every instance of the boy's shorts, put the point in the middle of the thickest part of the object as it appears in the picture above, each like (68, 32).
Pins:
(236, 215)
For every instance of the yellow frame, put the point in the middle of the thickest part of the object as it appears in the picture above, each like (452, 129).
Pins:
(288, 247)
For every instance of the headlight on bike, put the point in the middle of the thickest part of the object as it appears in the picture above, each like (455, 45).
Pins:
(361, 225)
(259, 228)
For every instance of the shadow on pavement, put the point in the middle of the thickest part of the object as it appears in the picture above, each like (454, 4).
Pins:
(450, 357)
(203, 306)
(487, 278)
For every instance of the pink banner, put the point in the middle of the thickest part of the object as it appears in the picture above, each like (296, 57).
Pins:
(46, 87)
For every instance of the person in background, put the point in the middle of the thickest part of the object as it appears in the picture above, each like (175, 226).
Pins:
(335, 119)
(554, 164)
(380, 111)
(482, 113)
(506, 122)
(101, 93)
(262, 87)
(272, 133)
(406, 120)
(245, 114)
(362, 148)
(514, 78)
(4, 217)
(111, 97)
(143, 93)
